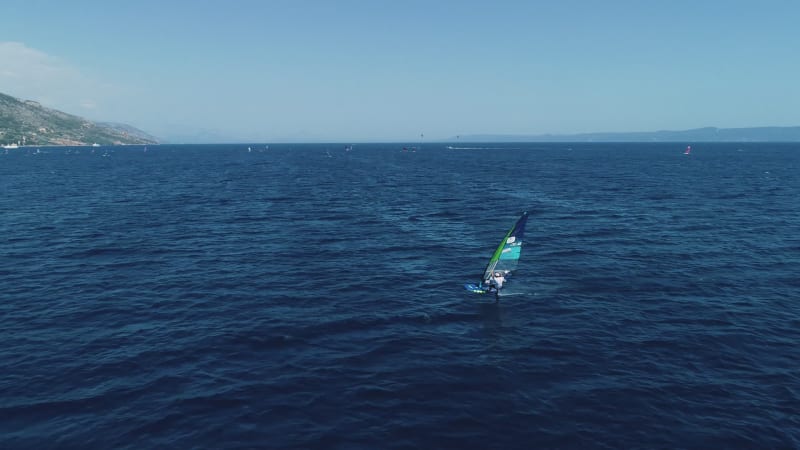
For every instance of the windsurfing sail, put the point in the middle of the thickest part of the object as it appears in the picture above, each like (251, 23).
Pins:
(505, 257)
(688, 150)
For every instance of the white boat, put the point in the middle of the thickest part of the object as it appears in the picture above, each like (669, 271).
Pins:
(12, 145)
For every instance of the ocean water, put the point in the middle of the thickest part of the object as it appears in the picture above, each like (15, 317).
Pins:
(303, 296)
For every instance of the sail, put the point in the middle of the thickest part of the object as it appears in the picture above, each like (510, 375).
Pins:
(507, 254)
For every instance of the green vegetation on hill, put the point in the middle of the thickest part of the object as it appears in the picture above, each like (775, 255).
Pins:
(29, 123)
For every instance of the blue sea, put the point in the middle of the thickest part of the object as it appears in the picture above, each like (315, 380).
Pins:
(309, 297)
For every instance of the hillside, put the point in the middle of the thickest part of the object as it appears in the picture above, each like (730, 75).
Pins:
(29, 123)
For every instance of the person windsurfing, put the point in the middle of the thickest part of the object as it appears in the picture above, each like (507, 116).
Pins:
(499, 279)
(496, 281)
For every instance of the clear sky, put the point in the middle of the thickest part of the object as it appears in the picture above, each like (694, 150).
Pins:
(389, 70)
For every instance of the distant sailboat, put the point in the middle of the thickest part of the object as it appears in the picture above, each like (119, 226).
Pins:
(688, 150)
(414, 148)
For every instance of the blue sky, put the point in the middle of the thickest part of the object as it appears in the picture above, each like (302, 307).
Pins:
(353, 71)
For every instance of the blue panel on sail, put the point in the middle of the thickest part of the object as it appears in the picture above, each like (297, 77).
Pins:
(511, 252)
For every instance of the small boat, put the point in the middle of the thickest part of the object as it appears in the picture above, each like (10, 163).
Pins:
(688, 150)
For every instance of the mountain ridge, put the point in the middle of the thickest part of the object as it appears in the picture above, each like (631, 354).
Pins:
(27, 122)
(705, 134)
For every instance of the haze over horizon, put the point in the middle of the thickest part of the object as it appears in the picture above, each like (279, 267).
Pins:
(383, 71)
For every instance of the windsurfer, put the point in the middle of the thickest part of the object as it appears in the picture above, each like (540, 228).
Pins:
(503, 261)
(498, 279)
(495, 282)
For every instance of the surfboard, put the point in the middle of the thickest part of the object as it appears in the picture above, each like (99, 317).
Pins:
(474, 288)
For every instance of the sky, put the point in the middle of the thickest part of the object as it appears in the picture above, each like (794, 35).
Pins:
(404, 70)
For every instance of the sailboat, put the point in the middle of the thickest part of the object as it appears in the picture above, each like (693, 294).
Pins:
(505, 257)
(688, 150)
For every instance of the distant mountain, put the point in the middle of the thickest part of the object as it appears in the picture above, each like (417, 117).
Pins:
(708, 134)
(131, 131)
(27, 122)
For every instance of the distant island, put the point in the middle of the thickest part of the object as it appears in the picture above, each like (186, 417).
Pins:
(707, 134)
(25, 122)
